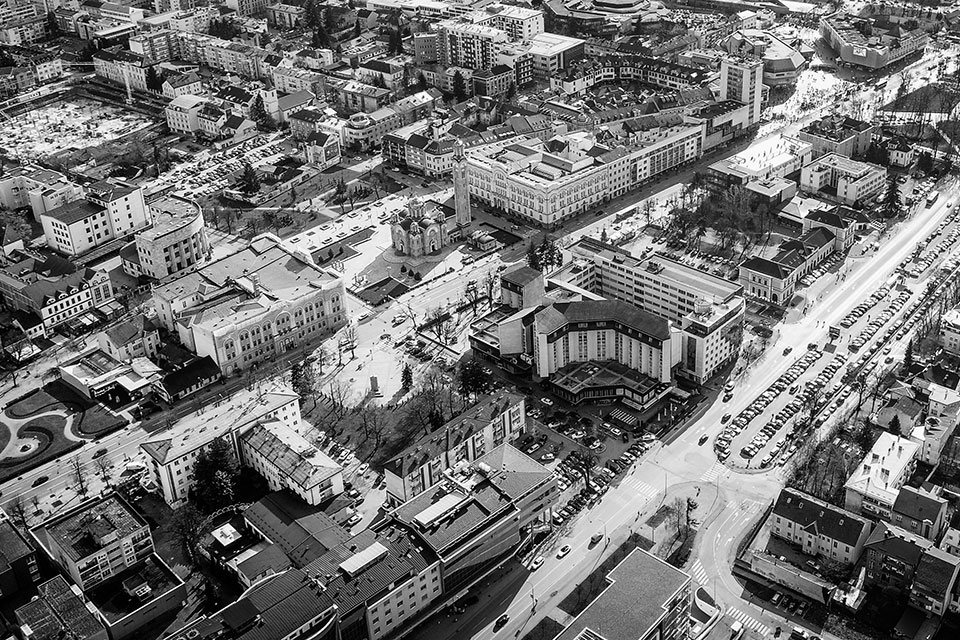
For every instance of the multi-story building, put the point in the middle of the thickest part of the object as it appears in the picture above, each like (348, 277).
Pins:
(920, 511)
(286, 605)
(552, 53)
(136, 337)
(18, 560)
(39, 188)
(585, 75)
(283, 300)
(359, 97)
(122, 67)
(774, 157)
(950, 331)
(22, 22)
(59, 610)
(548, 182)
(519, 23)
(173, 452)
(865, 42)
(16, 80)
(289, 462)
(474, 520)
(708, 309)
(295, 79)
(838, 134)
(492, 421)
(176, 240)
(52, 291)
(464, 43)
(285, 15)
(597, 330)
(364, 130)
(644, 599)
(248, 7)
(741, 80)
(838, 178)
(96, 540)
(159, 45)
(776, 279)
(182, 84)
(873, 487)
(935, 581)
(183, 113)
(892, 555)
(108, 211)
(782, 63)
(819, 528)
(494, 82)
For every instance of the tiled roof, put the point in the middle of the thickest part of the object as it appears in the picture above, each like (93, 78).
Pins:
(918, 504)
(897, 543)
(294, 457)
(58, 612)
(561, 314)
(819, 518)
(302, 536)
(521, 275)
(936, 572)
(12, 545)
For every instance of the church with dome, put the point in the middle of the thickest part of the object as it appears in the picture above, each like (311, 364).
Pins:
(427, 227)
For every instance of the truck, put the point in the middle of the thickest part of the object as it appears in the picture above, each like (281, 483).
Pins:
(932, 197)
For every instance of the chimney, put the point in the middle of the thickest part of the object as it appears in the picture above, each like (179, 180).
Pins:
(255, 279)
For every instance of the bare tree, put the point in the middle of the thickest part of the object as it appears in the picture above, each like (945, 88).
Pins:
(104, 467)
(472, 294)
(489, 284)
(18, 512)
(349, 340)
(374, 423)
(407, 312)
(79, 475)
(339, 392)
(437, 319)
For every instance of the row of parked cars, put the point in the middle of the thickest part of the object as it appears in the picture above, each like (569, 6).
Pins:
(877, 323)
(759, 405)
(861, 309)
(599, 483)
(824, 267)
(916, 263)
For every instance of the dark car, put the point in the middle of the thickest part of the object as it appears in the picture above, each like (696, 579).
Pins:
(703, 439)
(39, 481)
(501, 622)
(99, 453)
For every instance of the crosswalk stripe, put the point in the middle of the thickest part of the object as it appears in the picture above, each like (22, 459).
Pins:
(713, 472)
(643, 489)
(748, 621)
(699, 573)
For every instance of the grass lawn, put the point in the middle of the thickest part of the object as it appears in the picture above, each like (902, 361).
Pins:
(4, 435)
(96, 421)
(160, 518)
(52, 396)
(660, 516)
(49, 430)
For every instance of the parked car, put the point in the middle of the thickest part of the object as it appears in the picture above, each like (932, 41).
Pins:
(537, 563)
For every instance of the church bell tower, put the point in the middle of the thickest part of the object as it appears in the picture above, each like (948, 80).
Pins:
(461, 186)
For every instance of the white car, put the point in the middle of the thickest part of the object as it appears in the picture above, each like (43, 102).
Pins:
(546, 401)
(537, 563)
(354, 519)
(564, 550)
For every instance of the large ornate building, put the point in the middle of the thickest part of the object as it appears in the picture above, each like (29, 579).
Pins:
(427, 227)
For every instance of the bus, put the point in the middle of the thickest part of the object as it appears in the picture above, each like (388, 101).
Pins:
(932, 197)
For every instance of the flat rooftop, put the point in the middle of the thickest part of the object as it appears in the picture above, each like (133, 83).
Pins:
(578, 377)
(640, 590)
(111, 596)
(89, 527)
(200, 427)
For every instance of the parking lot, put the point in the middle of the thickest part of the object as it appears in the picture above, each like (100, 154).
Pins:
(820, 382)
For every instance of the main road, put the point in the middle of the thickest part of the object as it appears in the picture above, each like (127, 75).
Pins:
(685, 461)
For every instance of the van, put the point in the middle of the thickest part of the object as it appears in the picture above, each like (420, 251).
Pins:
(595, 538)
(736, 631)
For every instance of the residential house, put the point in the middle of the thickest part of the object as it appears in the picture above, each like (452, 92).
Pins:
(819, 528)
(920, 511)
(892, 555)
(136, 337)
(874, 485)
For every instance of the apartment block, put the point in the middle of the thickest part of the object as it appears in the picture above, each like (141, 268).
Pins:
(873, 487)
(39, 188)
(494, 420)
(708, 309)
(96, 540)
(173, 452)
(838, 134)
(108, 211)
(175, 241)
(840, 179)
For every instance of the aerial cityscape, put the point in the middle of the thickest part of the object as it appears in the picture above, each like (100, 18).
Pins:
(479, 319)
